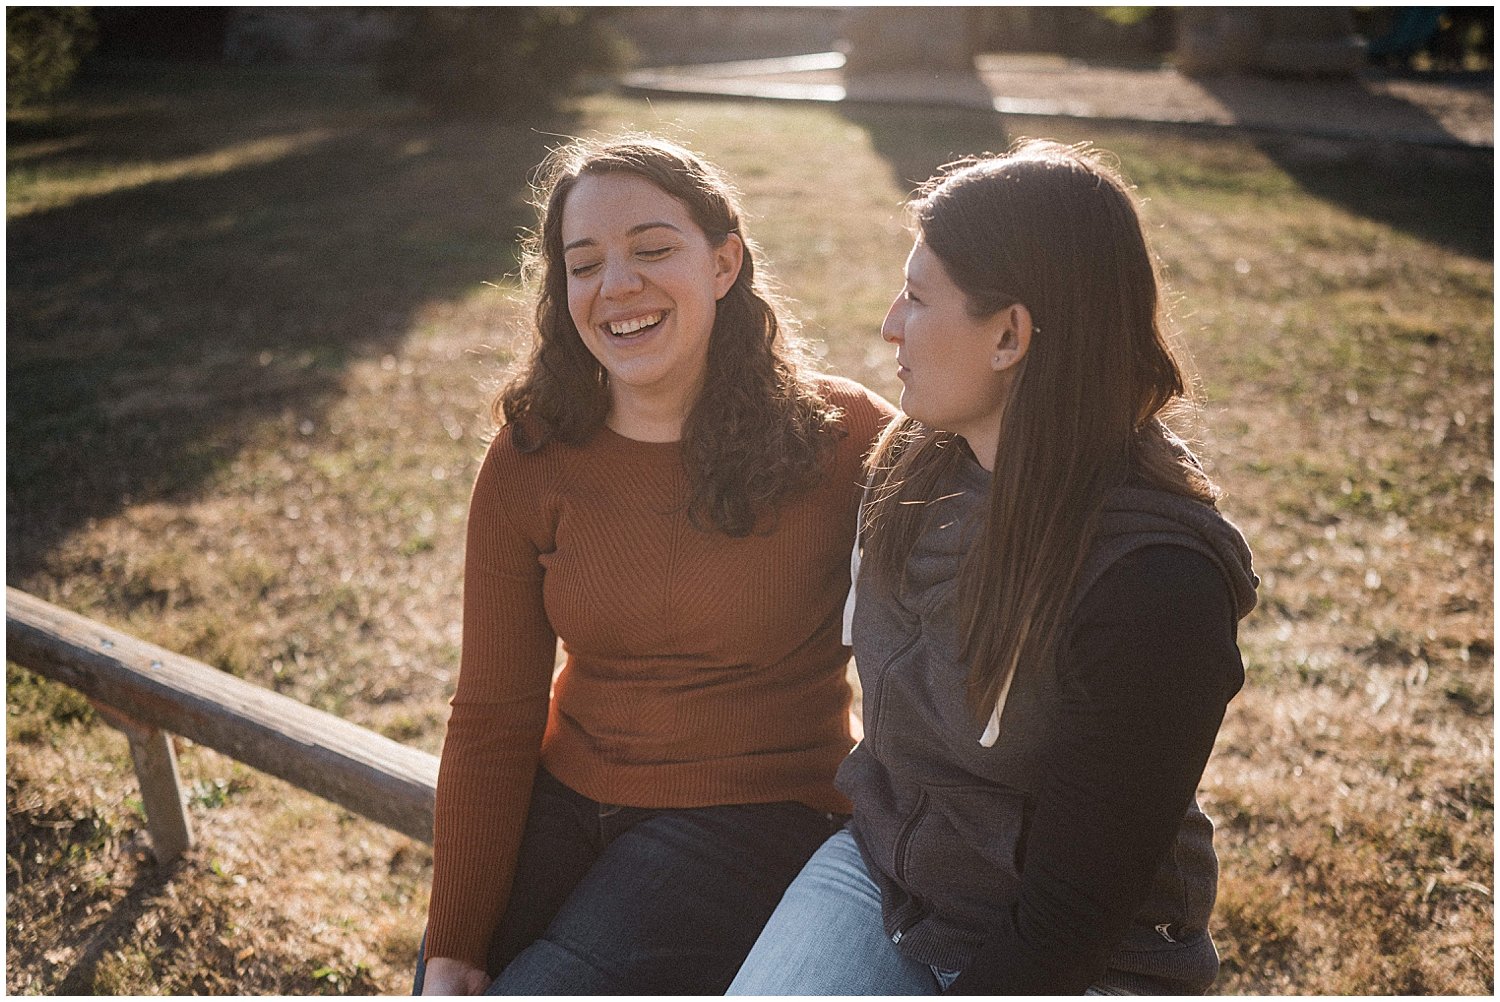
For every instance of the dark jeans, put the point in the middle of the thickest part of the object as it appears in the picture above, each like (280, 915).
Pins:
(612, 900)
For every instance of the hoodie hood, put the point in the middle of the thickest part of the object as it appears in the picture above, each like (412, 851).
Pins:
(1136, 516)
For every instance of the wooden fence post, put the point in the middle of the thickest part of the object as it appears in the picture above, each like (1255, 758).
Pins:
(148, 687)
(161, 787)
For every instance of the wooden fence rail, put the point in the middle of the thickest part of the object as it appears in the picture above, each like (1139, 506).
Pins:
(148, 692)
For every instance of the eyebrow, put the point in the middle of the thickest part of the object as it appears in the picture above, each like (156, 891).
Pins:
(633, 231)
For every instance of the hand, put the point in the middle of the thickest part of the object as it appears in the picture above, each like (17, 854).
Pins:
(447, 976)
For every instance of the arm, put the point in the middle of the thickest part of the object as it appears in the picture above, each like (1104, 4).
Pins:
(1148, 670)
(499, 714)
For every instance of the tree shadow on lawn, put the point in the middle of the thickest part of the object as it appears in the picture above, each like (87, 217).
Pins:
(1429, 185)
(42, 840)
(151, 328)
(1444, 196)
(1441, 195)
(916, 141)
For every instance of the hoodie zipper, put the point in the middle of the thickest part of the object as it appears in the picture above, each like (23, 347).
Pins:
(903, 843)
(903, 840)
(877, 703)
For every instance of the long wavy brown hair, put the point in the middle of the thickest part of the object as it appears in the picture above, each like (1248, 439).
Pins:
(759, 432)
(1055, 229)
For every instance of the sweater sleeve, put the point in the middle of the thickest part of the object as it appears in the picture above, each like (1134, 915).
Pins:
(1148, 669)
(499, 713)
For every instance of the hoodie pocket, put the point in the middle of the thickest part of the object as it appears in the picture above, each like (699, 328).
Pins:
(960, 852)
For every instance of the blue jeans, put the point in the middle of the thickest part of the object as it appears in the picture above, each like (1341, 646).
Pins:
(827, 937)
(612, 900)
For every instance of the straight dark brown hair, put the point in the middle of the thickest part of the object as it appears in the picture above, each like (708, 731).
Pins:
(1055, 229)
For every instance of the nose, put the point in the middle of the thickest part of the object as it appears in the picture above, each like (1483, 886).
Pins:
(893, 327)
(619, 278)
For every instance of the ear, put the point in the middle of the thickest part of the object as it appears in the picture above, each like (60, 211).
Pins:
(728, 257)
(1011, 329)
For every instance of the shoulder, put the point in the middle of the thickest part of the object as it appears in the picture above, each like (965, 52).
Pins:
(865, 412)
(1165, 610)
(520, 480)
(854, 396)
(1167, 586)
(503, 454)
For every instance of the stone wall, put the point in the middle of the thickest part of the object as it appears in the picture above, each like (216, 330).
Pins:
(1279, 41)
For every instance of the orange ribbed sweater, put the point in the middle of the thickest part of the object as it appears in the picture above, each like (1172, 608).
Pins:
(699, 669)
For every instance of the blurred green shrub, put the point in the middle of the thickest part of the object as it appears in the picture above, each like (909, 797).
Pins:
(43, 49)
(510, 60)
(1125, 16)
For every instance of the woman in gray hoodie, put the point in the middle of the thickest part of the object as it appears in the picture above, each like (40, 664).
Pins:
(1045, 625)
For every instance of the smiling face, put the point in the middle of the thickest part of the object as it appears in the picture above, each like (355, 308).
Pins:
(955, 370)
(643, 289)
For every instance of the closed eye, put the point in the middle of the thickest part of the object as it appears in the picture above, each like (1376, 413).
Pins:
(581, 270)
(652, 253)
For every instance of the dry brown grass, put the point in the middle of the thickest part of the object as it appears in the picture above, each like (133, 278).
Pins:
(247, 385)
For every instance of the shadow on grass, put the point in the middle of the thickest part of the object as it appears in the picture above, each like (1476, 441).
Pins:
(39, 841)
(1444, 195)
(916, 141)
(1435, 188)
(155, 319)
(118, 929)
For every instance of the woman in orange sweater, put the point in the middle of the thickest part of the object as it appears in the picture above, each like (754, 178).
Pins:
(674, 496)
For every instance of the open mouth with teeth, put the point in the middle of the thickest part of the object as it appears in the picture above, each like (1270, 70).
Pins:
(636, 326)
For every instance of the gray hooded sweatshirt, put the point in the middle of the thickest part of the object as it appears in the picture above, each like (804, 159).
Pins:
(1061, 846)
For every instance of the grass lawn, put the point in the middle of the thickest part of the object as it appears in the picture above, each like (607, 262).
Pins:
(253, 322)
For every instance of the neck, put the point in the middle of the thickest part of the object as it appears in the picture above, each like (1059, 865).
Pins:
(983, 435)
(648, 417)
(983, 447)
